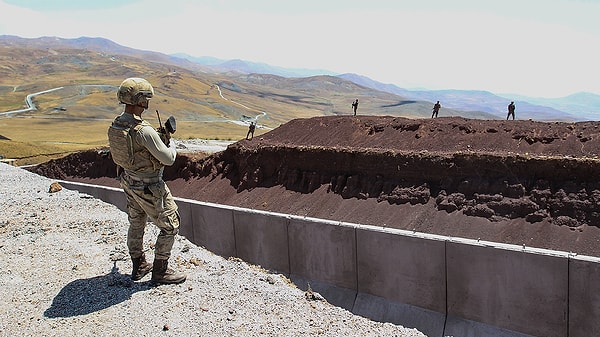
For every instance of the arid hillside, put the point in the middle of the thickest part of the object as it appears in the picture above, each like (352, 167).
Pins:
(74, 83)
(521, 182)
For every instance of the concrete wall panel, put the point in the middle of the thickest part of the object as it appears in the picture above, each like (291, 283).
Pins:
(186, 221)
(111, 195)
(116, 197)
(509, 289)
(92, 190)
(584, 297)
(261, 239)
(380, 309)
(213, 228)
(323, 251)
(404, 269)
(338, 296)
(456, 326)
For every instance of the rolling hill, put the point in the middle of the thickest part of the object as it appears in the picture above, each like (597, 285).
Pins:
(207, 103)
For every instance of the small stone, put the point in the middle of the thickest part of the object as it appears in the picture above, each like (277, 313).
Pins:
(195, 261)
(54, 187)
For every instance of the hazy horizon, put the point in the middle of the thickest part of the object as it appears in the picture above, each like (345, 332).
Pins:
(533, 48)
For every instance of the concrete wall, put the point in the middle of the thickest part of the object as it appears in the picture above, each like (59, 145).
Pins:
(508, 288)
(584, 296)
(440, 285)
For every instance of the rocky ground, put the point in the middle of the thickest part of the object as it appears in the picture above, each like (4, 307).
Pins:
(521, 182)
(64, 272)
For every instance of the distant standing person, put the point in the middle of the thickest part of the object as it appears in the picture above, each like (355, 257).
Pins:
(511, 110)
(251, 129)
(355, 106)
(436, 109)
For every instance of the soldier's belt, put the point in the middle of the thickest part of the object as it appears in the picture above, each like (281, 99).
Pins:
(147, 180)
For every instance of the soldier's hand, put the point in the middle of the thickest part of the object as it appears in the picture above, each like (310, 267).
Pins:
(164, 135)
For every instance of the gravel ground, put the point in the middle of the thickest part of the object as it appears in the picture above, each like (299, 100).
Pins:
(203, 145)
(64, 272)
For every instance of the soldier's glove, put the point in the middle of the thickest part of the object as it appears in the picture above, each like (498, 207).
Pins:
(164, 135)
(165, 131)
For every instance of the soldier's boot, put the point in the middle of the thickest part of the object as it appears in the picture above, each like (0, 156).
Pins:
(162, 274)
(140, 268)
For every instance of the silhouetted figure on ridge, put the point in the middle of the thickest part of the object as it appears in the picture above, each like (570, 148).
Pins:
(355, 106)
(251, 129)
(511, 110)
(436, 109)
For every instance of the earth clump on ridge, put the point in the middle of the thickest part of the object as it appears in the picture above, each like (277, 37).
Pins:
(521, 182)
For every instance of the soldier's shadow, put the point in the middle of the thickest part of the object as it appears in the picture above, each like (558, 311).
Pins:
(85, 296)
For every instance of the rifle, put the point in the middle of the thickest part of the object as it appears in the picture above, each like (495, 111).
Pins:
(165, 131)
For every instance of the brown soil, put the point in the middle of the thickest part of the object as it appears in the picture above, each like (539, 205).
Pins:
(521, 182)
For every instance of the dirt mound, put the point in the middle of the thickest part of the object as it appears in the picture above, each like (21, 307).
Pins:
(521, 182)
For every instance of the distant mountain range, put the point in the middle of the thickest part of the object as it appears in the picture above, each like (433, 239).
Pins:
(97, 44)
(475, 100)
(582, 104)
(253, 67)
(576, 107)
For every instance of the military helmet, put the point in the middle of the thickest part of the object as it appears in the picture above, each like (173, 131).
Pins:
(135, 91)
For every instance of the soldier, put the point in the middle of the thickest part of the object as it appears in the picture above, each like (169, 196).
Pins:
(436, 109)
(511, 110)
(141, 153)
(251, 129)
(355, 106)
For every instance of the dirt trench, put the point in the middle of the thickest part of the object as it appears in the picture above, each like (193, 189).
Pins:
(488, 185)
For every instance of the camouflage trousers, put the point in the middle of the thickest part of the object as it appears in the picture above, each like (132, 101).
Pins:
(152, 201)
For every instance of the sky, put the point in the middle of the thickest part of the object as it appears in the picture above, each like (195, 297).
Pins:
(539, 48)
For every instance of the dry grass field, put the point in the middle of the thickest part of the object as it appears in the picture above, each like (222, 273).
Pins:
(76, 117)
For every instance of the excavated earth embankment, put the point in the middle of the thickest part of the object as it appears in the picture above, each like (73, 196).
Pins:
(521, 182)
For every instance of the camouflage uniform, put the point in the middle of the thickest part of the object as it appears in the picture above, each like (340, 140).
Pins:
(147, 194)
(511, 110)
(436, 109)
(138, 149)
(141, 153)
